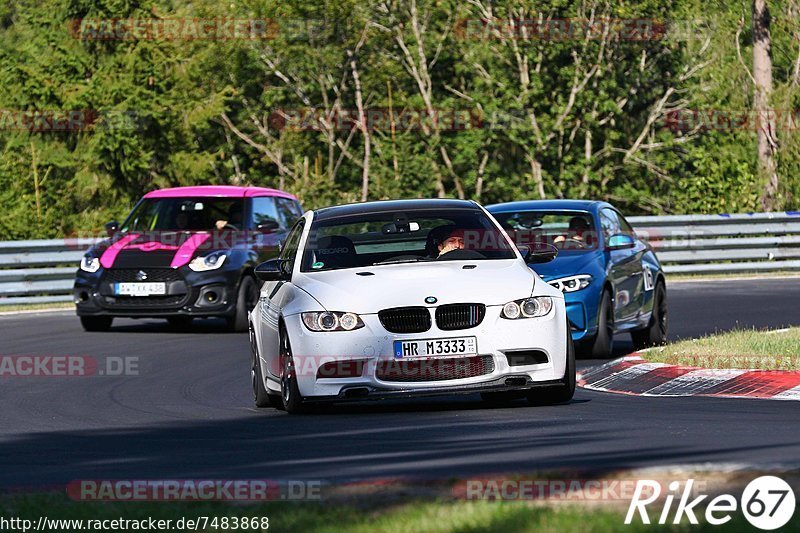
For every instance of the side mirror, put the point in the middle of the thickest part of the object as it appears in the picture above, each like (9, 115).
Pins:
(271, 270)
(268, 226)
(112, 228)
(539, 253)
(620, 241)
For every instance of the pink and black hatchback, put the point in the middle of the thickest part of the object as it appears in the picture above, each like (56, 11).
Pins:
(183, 253)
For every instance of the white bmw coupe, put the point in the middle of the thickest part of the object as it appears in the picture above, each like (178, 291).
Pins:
(407, 298)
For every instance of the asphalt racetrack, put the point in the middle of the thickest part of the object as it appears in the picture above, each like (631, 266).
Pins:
(189, 414)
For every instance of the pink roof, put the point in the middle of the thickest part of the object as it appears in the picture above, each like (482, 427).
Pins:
(218, 191)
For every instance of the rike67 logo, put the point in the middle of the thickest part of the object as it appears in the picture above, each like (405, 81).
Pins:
(767, 502)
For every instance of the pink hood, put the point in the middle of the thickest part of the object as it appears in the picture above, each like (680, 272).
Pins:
(176, 254)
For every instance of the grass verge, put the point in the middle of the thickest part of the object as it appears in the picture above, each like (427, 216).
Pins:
(14, 308)
(739, 349)
(413, 515)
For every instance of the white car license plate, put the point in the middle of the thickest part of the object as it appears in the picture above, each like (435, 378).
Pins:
(435, 347)
(140, 289)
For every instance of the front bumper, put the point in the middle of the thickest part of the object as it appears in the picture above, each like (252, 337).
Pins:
(582, 312)
(511, 383)
(497, 338)
(188, 293)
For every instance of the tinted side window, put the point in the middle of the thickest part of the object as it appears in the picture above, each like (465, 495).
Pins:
(609, 223)
(287, 210)
(264, 210)
(297, 208)
(625, 227)
(289, 251)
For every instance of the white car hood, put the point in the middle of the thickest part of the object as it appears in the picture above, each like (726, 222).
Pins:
(492, 282)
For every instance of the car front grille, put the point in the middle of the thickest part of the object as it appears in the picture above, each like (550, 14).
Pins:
(124, 275)
(459, 316)
(146, 302)
(411, 370)
(176, 288)
(405, 319)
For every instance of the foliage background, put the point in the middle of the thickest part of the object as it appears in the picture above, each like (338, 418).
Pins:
(574, 117)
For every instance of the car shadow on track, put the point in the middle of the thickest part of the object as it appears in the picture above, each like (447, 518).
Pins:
(427, 405)
(622, 346)
(156, 325)
(381, 442)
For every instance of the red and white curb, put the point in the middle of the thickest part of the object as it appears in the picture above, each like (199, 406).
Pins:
(634, 375)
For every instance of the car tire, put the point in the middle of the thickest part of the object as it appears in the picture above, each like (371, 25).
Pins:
(96, 323)
(602, 345)
(179, 322)
(655, 334)
(260, 395)
(291, 398)
(562, 393)
(246, 299)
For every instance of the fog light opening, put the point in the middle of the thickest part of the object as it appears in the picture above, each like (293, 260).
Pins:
(211, 297)
(342, 369)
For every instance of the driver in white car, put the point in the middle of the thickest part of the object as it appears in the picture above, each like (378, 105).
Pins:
(447, 239)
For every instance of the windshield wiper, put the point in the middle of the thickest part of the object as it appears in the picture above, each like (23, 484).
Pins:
(398, 261)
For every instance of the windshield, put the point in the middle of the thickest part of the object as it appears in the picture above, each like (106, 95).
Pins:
(566, 230)
(404, 237)
(186, 214)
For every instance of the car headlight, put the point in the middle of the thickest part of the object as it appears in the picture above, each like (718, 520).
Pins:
(90, 264)
(211, 261)
(332, 321)
(527, 308)
(571, 283)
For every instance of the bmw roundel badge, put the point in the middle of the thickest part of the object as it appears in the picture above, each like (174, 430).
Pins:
(431, 300)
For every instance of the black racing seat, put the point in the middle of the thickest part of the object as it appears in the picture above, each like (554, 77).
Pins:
(336, 251)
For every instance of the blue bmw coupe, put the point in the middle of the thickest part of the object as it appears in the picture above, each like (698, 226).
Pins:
(612, 281)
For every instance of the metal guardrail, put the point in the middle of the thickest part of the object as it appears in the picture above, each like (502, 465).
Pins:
(42, 271)
(724, 244)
